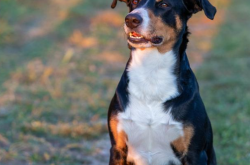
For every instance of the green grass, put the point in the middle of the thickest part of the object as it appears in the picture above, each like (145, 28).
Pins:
(54, 93)
(55, 89)
(225, 86)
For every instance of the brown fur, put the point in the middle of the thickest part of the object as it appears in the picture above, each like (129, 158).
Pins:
(119, 149)
(119, 137)
(170, 34)
(182, 143)
(178, 22)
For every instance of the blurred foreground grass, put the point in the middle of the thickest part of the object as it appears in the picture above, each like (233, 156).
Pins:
(59, 68)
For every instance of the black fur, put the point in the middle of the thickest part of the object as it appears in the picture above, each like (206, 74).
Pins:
(188, 107)
(194, 6)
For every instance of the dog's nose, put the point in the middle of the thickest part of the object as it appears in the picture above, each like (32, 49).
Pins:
(133, 20)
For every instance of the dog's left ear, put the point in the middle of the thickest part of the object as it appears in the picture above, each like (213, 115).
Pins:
(195, 6)
(114, 3)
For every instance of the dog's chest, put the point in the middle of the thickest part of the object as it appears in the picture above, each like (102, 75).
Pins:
(149, 128)
(150, 131)
(151, 75)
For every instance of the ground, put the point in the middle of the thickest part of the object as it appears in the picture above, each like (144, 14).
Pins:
(60, 64)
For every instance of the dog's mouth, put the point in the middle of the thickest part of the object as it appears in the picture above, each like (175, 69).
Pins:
(137, 38)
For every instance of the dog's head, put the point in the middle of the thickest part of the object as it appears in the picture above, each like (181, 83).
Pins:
(159, 23)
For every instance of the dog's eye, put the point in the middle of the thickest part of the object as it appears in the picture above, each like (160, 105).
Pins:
(135, 2)
(163, 5)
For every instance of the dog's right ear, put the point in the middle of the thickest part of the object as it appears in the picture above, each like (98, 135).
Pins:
(113, 5)
(194, 6)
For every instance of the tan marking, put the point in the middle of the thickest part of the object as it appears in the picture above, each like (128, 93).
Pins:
(142, 49)
(159, 28)
(159, 0)
(178, 22)
(182, 143)
(119, 137)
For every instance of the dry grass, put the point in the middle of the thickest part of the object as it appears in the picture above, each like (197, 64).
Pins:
(60, 64)
(74, 129)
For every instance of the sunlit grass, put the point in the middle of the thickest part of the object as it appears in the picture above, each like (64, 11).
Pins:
(55, 83)
(60, 64)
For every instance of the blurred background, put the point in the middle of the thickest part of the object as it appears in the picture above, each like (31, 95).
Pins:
(60, 62)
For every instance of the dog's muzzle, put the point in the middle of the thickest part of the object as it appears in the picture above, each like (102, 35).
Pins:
(133, 20)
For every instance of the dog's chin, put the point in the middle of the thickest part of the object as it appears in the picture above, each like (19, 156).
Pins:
(140, 45)
(139, 41)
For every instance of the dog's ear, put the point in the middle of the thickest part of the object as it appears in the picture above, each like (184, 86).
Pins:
(114, 3)
(195, 6)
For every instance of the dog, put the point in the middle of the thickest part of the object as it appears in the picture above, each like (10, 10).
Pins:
(157, 116)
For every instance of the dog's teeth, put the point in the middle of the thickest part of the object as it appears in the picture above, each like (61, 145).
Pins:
(134, 37)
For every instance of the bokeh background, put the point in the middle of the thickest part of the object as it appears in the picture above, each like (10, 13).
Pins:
(60, 62)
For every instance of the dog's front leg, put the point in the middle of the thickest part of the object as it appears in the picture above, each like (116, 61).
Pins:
(119, 150)
(117, 156)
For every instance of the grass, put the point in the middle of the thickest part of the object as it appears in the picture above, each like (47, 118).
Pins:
(225, 86)
(54, 82)
(59, 68)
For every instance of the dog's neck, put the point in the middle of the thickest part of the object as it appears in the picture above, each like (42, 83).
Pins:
(154, 75)
(151, 74)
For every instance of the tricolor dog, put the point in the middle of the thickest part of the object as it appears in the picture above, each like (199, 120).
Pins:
(156, 116)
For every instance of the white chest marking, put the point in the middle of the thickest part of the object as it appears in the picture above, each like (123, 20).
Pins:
(151, 75)
(150, 130)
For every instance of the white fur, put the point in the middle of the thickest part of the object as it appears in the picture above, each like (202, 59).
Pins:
(144, 14)
(151, 75)
(142, 29)
(150, 130)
